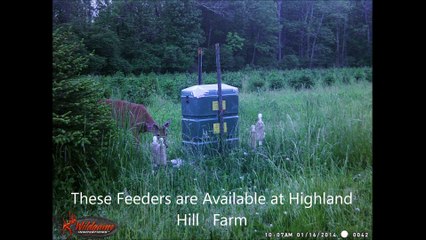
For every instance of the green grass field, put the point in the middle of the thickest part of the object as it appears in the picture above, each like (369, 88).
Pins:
(317, 140)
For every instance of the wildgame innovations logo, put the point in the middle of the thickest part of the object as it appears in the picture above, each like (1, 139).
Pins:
(88, 227)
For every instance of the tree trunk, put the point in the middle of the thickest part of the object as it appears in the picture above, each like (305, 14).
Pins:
(343, 52)
(304, 19)
(279, 47)
(254, 47)
(337, 63)
(210, 33)
(315, 40)
(308, 37)
(365, 7)
(284, 43)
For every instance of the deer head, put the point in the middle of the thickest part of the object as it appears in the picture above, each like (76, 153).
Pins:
(161, 132)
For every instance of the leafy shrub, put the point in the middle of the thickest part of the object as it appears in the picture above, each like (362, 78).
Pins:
(256, 84)
(290, 62)
(131, 88)
(233, 79)
(329, 80)
(303, 81)
(346, 79)
(209, 78)
(104, 44)
(172, 84)
(368, 74)
(359, 75)
(69, 54)
(81, 126)
(169, 87)
(149, 86)
(275, 81)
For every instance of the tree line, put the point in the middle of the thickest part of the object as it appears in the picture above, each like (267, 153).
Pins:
(142, 36)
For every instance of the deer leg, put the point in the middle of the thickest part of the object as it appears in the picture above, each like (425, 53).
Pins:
(136, 135)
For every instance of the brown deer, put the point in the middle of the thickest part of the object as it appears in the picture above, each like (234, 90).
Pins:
(136, 117)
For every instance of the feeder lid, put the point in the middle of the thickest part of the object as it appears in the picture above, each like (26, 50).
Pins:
(205, 90)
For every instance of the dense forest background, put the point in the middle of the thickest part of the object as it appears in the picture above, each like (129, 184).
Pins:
(145, 36)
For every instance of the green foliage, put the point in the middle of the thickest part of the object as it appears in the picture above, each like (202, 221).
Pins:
(234, 42)
(172, 84)
(359, 75)
(69, 54)
(172, 58)
(162, 36)
(275, 81)
(329, 80)
(256, 84)
(233, 78)
(262, 38)
(181, 35)
(304, 81)
(82, 128)
(290, 62)
(226, 59)
(106, 54)
(137, 89)
(79, 120)
(142, 88)
(346, 79)
(368, 74)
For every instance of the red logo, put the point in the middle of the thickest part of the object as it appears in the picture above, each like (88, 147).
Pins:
(88, 226)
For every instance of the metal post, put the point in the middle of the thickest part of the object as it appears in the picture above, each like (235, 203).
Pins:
(219, 93)
(200, 66)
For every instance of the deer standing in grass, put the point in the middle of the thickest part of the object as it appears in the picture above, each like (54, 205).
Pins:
(136, 117)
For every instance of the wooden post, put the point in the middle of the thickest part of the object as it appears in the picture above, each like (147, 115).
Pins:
(200, 66)
(219, 93)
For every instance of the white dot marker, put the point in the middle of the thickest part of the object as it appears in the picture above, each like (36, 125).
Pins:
(344, 234)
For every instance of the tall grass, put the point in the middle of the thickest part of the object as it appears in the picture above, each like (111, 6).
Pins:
(317, 140)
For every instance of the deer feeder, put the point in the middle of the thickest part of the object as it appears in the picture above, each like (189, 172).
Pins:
(210, 114)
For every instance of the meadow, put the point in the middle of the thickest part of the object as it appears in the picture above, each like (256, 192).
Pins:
(318, 139)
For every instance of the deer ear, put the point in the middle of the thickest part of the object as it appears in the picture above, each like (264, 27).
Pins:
(167, 124)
